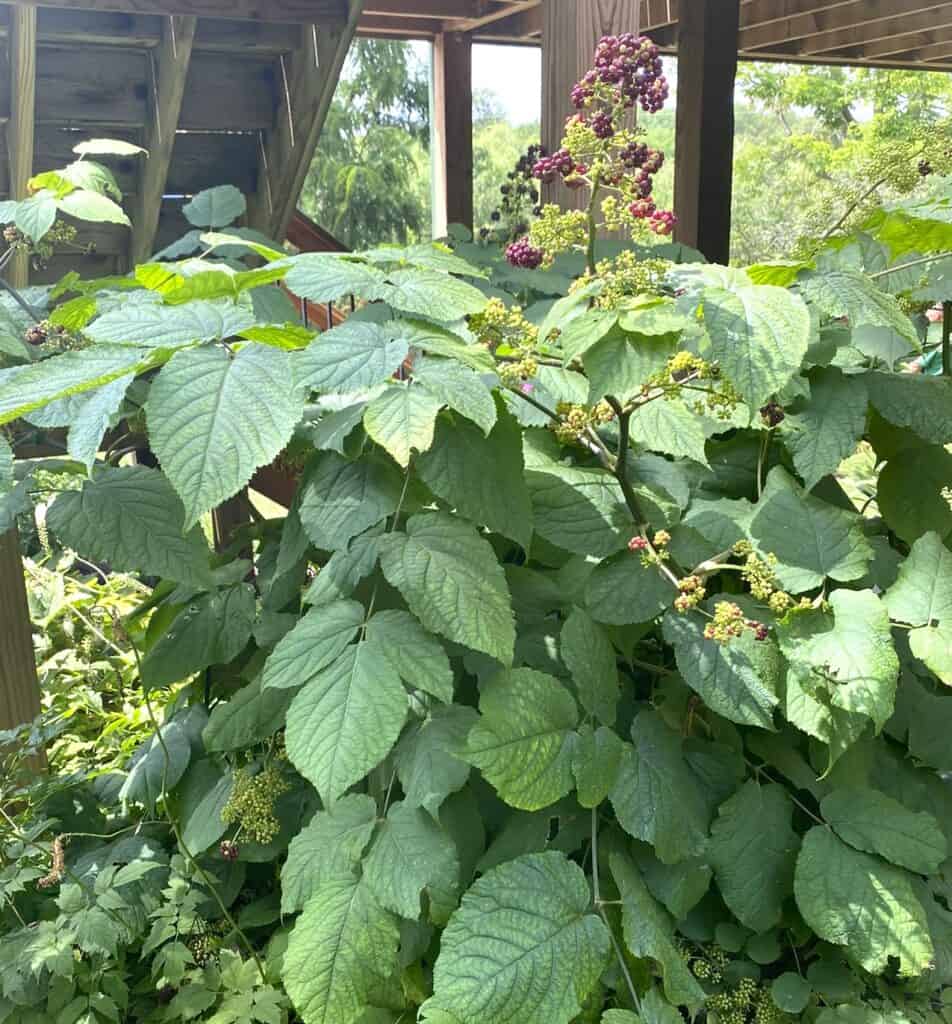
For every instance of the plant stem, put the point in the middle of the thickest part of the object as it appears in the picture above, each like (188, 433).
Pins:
(761, 460)
(34, 314)
(947, 339)
(177, 832)
(600, 907)
(912, 263)
(592, 227)
(836, 227)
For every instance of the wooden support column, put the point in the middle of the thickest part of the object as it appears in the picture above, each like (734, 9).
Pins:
(19, 689)
(704, 152)
(230, 516)
(20, 127)
(451, 119)
(170, 62)
(571, 30)
(308, 80)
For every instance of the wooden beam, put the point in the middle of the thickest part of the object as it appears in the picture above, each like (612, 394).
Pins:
(308, 82)
(522, 26)
(805, 18)
(437, 9)
(19, 688)
(169, 73)
(376, 26)
(299, 11)
(230, 517)
(904, 43)
(657, 14)
(570, 33)
(707, 68)
(21, 126)
(877, 29)
(939, 51)
(452, 131)
(506, 10)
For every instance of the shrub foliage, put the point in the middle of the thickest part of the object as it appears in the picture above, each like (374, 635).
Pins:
(572, 687)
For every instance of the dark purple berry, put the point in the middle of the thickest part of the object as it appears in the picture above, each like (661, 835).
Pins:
(524, 254)
(772, 414)
(229, 850)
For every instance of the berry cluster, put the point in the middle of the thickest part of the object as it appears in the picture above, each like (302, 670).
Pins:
(507, 332)
(772, 415)
(623, 277)
(691, 593)
(251, 803)
(577, 420)
(40, 252)
(519, 202)
(53, 338)
(729, 622)
(599, 150)
(761, 576)
(523, 253)
(707, 965)
(629, 65)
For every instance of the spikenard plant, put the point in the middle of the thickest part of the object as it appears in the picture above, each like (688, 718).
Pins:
(573, 687)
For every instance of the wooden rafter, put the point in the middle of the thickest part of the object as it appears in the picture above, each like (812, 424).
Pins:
(936, 51)
(438, 9)
(169, 64)
(854, 36)
(813, 18)
(299, 11)
(505, 11)
(905, 43)
(522, 27)
(308, 81)
(22, 124)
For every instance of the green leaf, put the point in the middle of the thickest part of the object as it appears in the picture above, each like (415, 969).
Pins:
(215, 207)
(132, 519)
(315, 642)
(853, 295)
(204, 792)
(620, 1017)
(402, 420)
(524, 946)
(107, 147)
(342, 499)
(460, 388)
(722, 674)
(852, 899)
(753, 850)
(649, 932)
(790, 992)
(587, 651)
(524, 739)
(36, 215)
(922, 594)
(481, 477)
(855, 656)
(875, 823)
(432, 294)
(670, 427)
(95, 414)
(6, 464)
(580, 510)
(910, 493)
(212, 630)
(215, 418)
(418, 657)
(411, 855)
(580, 334)
(158, 765)
(918, 403)
(828, 427)
(812, 539)
(759, 335)
(932, 645)
(680, 887)
(350, 357)
(326, 277)
(332, 432)
(621, 591)
(657, 798)
(153, 325)
(342, 954)
(440, 341)
(329, 848)
(620, 364)
(346, 720)
(426, 757)
(247, 718)
(93, 206)
(434, 255)
(595, 763)
(451, 581)
(25, 388)
(340, 576)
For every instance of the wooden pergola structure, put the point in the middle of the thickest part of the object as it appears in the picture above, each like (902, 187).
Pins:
(236, 91)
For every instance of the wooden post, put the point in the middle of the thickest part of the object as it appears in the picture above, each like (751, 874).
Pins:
(451, 118)
(19, 688)
(170, 71)
(20, 128)
(571, 30)
(230, 516)
(704, 153)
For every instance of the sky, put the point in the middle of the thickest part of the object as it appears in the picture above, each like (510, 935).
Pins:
(514, 74)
